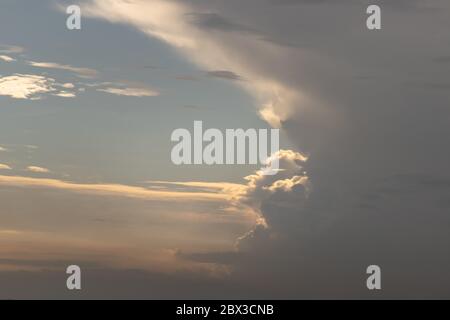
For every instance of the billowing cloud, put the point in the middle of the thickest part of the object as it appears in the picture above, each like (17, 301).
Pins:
(290, 187)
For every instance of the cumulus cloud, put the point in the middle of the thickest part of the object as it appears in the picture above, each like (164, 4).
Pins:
(290, 187)
(25, 86)
(29, 86)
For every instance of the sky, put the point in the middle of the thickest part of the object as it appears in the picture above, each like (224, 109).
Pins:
(86, 176)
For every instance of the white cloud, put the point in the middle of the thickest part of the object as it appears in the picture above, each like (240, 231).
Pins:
(3, 149)
(68, 85)
(65, 94)
(7, 58)
(36, 169)
(29, 86)
(5, 167)
(25, 86)
(131, 92)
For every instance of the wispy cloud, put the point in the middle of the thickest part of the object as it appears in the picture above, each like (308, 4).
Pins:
(83, 72)
(174, 23)
(113, 189)
(131, 92)
(10, 49)
(65, 94)
(36, 169)
(224, 74)
(7, 58)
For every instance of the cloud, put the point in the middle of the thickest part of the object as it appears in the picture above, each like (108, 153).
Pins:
(65, 94)
(442, 59)
(29, 86)
(7, 58)
(356, 131)
(83, 72)
(131, 92)
(25, 86)
(10, 49)
(5, 167)
(36, 169)
(68, 85)
(167, 21)
(115, 225)
(115, 189)
(223, 74)
(216, 22)
(262, 188)
(3, 149)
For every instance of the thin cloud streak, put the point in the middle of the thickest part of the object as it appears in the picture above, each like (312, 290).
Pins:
(119, 190)
(84, 72)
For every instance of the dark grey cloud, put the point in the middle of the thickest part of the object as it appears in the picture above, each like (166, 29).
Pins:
(442, 59)
(225, 258)
(193, 107)
(214, 21)
(378, 153)
(397, 4)
(224, 74)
